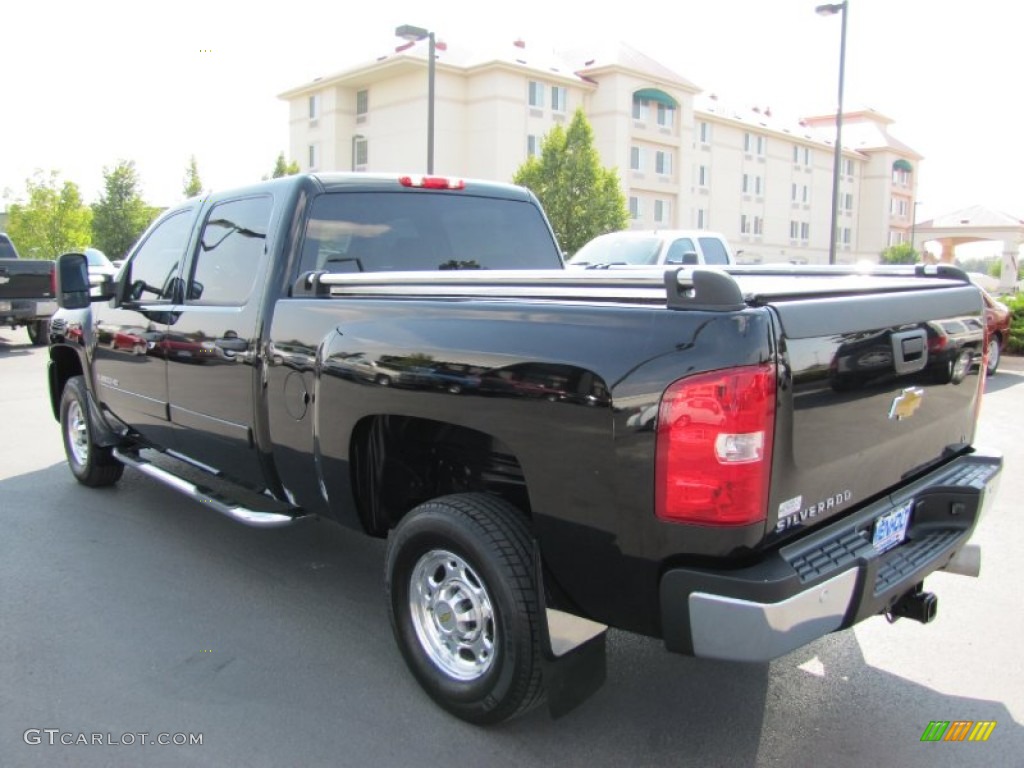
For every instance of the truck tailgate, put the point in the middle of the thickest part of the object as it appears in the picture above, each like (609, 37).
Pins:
(25, 279)
(881, 387)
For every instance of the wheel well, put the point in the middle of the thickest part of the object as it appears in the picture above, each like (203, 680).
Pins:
(399, 462)
(65, 365)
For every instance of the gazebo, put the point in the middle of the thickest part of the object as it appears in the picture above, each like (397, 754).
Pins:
(971, 225)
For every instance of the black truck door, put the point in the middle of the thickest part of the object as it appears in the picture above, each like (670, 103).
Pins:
(212, 372)
(129, 364)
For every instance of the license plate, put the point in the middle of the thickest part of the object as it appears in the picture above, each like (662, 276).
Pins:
(5, 306)
(891, 528)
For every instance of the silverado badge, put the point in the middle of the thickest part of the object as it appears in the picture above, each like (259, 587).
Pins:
(903, 407)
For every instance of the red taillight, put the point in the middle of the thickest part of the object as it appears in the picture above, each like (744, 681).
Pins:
(431, 182)
(714, 447)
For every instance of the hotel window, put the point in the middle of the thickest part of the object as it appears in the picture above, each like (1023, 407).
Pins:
(314, 152)
(705, 133)
(762, 144)
(636, 158)
(796, 155)
(558, 98)
(846, 235)
(748, 142)
(793, 195)
(794, 230)
(744, 224)
(533, 146)
(702, 218)
(641, 108)
(666, 116)
(758, 225)
(661, 211)
(314, 106)
(806, 193)
(634, 208)
(362, 153)
(536, 97)
(807, 156)
(746, 184)
(702, 176)
(848, 202)
(805, 231)
(362, 103)
(849, 166)
(663, 163)
(758, 186)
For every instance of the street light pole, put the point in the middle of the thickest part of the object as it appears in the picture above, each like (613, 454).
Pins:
(913, 225)
(414, 34)
(829, 10)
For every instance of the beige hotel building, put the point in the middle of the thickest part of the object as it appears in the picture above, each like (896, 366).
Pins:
(686, 158)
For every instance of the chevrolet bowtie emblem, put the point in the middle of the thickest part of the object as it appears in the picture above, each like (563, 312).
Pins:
(903, 407)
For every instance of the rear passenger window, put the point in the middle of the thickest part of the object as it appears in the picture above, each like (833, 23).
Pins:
(231, 251)
(412, 231)
(714, 251)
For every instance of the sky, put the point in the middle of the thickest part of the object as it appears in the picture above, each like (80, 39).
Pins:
(86, 84)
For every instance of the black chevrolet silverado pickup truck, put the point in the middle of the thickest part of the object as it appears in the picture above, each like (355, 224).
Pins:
(26, 292)
(737, 461)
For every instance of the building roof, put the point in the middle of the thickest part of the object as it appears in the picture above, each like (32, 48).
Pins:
(973, 217)
(595, 59)
(865, 130)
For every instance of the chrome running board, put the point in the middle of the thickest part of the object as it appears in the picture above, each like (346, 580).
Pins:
(217, 502)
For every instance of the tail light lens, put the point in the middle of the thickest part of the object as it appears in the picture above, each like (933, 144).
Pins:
(714, 447)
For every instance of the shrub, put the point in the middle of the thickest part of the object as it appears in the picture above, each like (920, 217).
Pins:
(1015, 344)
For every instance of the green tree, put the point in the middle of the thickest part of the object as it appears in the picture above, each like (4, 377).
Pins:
(582, 199)
(52, 218)
(121, 215)
(901, 253)
(282, 168)
(192, 184)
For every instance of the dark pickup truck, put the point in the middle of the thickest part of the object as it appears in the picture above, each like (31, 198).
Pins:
(737, 461)
(26, 292)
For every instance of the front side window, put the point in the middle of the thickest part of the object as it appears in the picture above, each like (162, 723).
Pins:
(678, 250)
(231, 250)
(152, 274)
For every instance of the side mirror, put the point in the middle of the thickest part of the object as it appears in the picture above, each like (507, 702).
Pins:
(72, 277)
(690, 257)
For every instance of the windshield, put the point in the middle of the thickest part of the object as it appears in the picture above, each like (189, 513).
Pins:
(618, 249)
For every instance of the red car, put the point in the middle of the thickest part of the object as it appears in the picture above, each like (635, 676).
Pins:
(997, 329)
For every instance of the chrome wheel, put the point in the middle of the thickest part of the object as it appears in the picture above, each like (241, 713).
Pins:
(452, 615)
(77, 433)
(961, 366)
(993, 356)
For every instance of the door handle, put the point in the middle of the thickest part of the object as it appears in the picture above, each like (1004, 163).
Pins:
(232, 344)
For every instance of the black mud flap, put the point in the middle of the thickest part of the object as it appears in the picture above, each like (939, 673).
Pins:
(574, 651)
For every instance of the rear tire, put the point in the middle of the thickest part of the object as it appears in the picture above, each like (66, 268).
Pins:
(38, 332)
(462, 597)
(91, 464)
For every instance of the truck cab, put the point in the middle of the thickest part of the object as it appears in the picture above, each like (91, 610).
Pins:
(652, 248)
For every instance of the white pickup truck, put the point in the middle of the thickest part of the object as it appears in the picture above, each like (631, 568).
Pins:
(647, 248)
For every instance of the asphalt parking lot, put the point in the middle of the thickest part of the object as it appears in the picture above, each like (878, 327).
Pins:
(132, 611)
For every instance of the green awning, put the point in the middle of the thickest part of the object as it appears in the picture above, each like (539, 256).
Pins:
(903, 165)
(654, 94)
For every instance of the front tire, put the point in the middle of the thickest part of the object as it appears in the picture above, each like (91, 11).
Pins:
(91, 464)
(462, 597)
